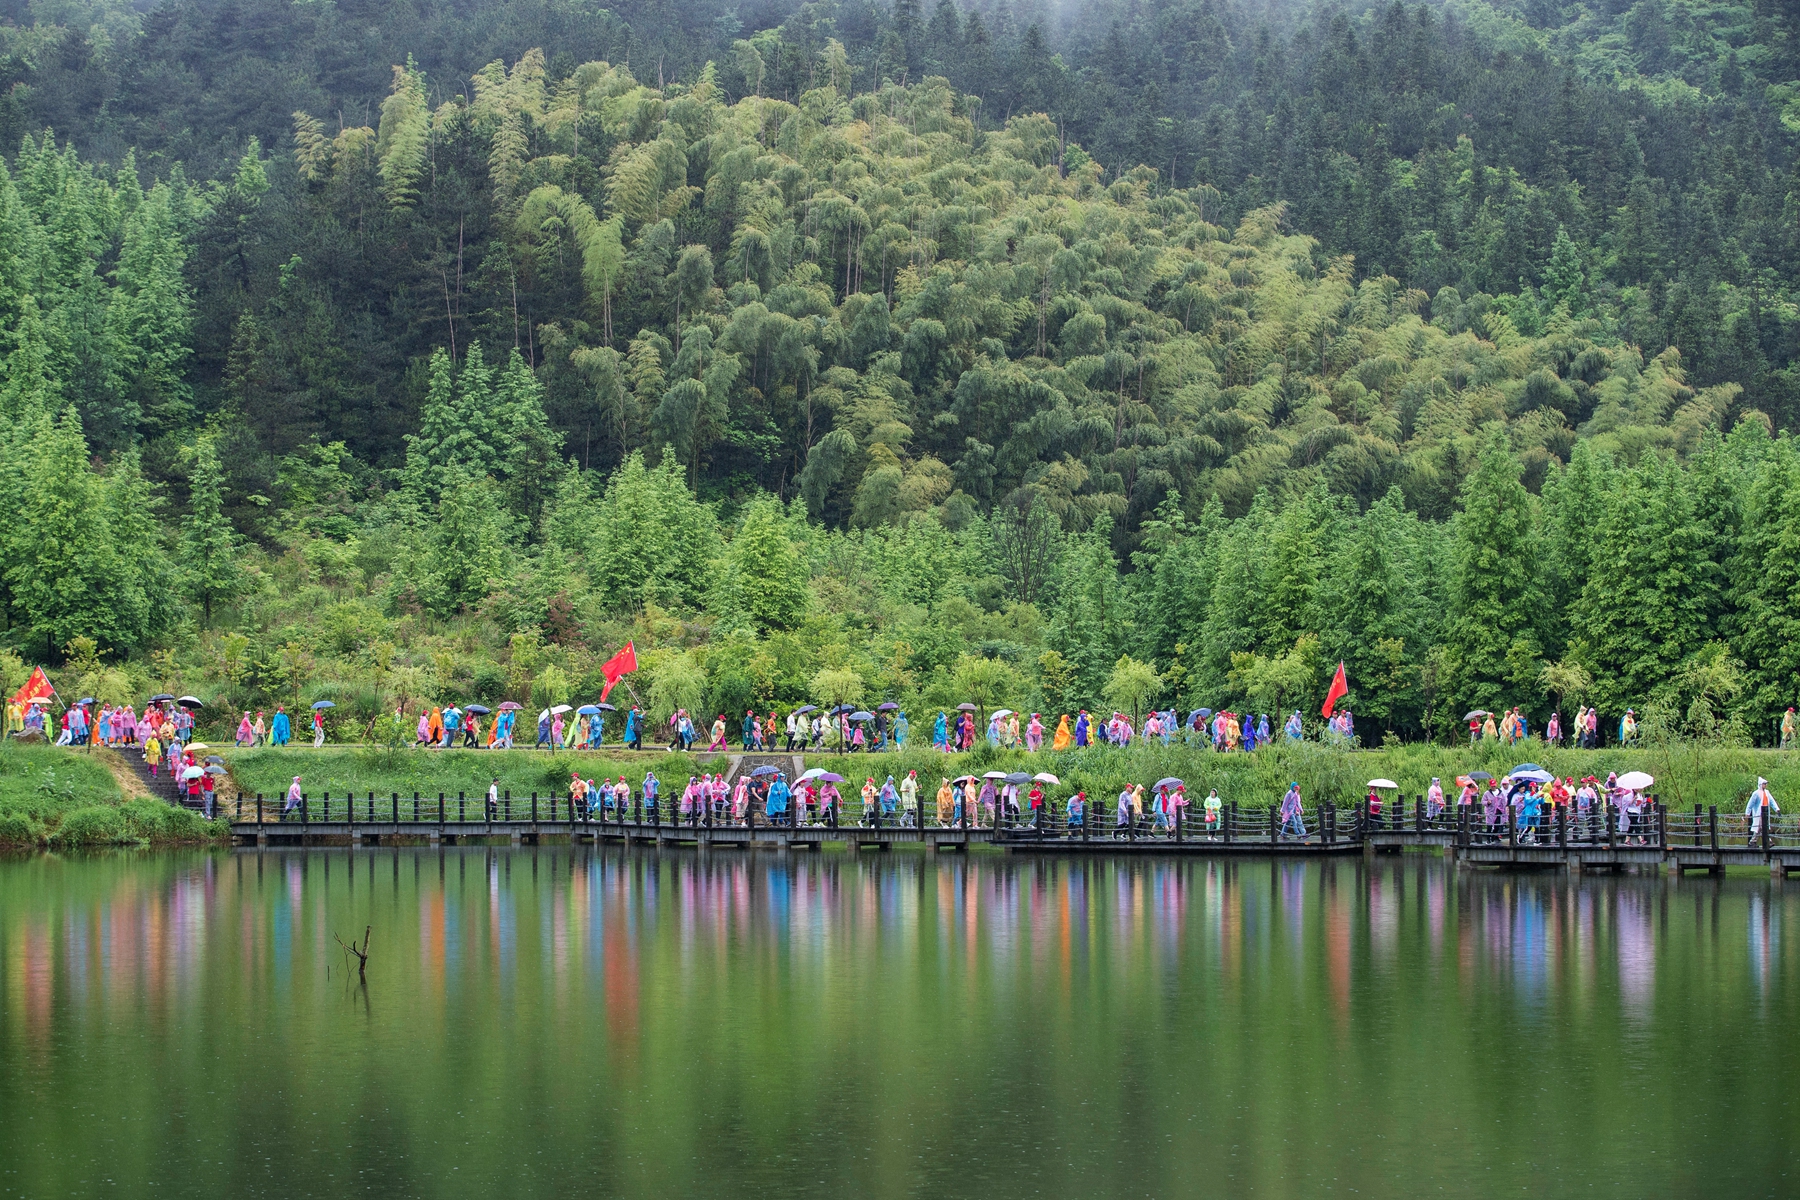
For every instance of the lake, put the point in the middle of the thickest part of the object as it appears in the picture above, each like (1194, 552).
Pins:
(558, 1021)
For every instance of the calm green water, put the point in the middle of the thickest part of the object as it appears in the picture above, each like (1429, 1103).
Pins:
(557, 1022)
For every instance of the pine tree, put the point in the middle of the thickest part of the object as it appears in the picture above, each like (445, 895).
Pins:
(1492, 641)
(210, 547)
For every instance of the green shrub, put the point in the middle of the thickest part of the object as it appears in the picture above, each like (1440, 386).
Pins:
(94, 825)
(19, 829)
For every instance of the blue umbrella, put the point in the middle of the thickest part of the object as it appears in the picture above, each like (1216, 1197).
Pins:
(324, 704)
(478, 709)
(764, 770)
(588, 710)
(887, 706)
(806, 708)
(862, 716)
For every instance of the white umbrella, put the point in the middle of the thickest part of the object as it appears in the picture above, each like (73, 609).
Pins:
(560, 709)
(814, 773)
(1383, 783)
(544, 716)
(995, 775)
(1046, 777)
(1637, 781)
(1000, 713)
(192, 773)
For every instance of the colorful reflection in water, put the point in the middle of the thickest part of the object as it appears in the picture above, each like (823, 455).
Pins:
(543, 1021)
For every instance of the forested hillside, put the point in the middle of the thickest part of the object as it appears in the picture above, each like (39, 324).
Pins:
(424, 352)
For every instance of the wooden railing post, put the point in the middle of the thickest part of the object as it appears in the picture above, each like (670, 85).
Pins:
(1712, 817)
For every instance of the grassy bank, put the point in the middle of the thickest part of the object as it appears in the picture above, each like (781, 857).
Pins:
(1686, 774)
(63, 798)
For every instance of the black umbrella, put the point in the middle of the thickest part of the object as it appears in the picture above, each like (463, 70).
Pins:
(1018, 777)
(213, 758)
(191, 702)
(603, 706)
(161, 696)
(806, 708)
(1481, 775)
(887, 706)
(478, 709)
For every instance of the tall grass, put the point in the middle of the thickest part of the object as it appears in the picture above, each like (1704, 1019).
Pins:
(1686, 774)
(57, 797)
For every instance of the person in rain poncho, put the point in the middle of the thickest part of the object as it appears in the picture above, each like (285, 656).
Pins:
(940, 733)
(1761, 808)
(1212, 807)
(1063, 737)
(945, 798)
(984, 803)
(1078, 811)
(1434, 798)
(902, 727)
(1789, 725)
(868, 801)
(651, 790)
(1628, 728)
(909, 791)
(831, 804)
(1293, 727)
(1034, 734)
(777, 804)
(890, 798)
(1082, 729)
(293, 796)
(1122, 815)
(1293, 813)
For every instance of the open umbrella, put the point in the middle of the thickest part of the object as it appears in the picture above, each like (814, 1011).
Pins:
(587, 710)
(1046, 777)
(841, 709)
(1477, 712)
(1537, 775)
(544, 716)
(862, 716)
(479, 709)
(1205, 712)
(324, 704)
(1636, 780)
(559, 709)
(213, 758)
(215, 770)
(965, 706)
(965, 779)
(1524, 767)
(1480, 776)
(161, 696)
(1383, 783)
(1170, 782)
(198, 746)
(1018, 777)
(192, 773)
(831, 777)
(510, 706)
(1001, 713)
(85, 700)
(191, 702)
(764, 770)
(995, 775)
(811, 773)
(887, 706)
(603, 706)
(806, 708)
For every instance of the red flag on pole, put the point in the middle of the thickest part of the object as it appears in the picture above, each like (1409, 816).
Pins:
(1340, 687)
(36, 688)
(618, 666)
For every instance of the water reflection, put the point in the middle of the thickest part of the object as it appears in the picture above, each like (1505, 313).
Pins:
(932, 1013)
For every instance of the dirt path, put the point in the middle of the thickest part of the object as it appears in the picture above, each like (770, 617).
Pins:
(131, 785)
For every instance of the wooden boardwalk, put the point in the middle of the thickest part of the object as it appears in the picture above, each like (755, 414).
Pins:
(1702, 840)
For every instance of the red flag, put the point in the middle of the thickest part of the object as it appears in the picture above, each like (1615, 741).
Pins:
(36, 688)
(1339, 688)
(620, 664)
